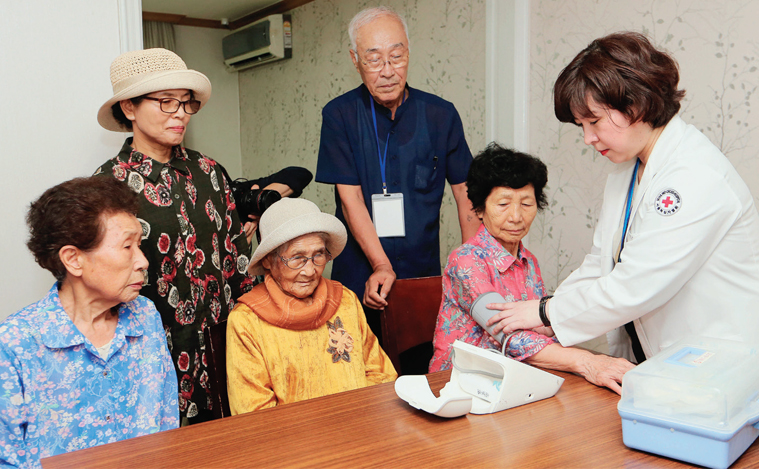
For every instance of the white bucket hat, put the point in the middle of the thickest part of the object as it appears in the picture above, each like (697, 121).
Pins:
(287, 219)
(140, 72)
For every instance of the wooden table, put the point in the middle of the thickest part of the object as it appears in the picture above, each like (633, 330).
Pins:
(372, 427)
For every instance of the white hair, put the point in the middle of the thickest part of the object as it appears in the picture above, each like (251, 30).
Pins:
(368, 15)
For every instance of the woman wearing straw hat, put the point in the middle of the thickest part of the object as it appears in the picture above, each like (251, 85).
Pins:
(192, 235)
(298, 335)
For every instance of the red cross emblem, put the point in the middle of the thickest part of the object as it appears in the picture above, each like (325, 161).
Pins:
(668, 202)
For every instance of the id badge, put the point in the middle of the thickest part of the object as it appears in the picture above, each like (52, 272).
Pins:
(387, 214)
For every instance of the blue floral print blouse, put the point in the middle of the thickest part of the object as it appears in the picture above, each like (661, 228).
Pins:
(58, 395)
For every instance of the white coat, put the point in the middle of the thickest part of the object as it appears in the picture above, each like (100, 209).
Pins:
(693, 271)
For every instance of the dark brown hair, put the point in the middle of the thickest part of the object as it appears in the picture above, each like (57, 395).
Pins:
(496, 166)
(622, 71)
(119, 115)
(72, 213)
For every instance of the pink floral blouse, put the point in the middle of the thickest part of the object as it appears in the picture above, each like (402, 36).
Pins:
(479, 266)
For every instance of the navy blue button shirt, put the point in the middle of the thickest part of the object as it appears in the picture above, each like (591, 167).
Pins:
(426, 148)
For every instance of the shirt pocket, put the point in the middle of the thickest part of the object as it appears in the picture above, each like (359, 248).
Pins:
(425, 174)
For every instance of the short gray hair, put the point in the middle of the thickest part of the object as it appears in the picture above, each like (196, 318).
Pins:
(368, 15)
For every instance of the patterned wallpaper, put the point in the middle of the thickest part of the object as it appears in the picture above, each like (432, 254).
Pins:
(712, 41)
(716, 46)
(280, 104)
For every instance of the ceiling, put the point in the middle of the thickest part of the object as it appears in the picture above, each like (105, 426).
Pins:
(207, 9)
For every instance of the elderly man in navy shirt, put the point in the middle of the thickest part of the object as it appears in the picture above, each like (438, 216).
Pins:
(386, 137)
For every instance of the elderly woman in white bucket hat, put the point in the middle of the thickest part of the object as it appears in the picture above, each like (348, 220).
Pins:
(192, 235)
(299, 335)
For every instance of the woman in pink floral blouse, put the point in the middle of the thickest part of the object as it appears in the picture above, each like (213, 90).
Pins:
(506, 191)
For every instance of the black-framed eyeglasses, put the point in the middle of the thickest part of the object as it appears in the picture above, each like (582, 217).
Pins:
(298, 262)
(397, 59)
(171, 105)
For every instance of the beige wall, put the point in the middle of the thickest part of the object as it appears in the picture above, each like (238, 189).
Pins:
(717, 52)
(215, 131)
(280, 104)
(715, 44)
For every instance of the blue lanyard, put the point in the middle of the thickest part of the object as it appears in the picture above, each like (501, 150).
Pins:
(627, 209)
(382, 156)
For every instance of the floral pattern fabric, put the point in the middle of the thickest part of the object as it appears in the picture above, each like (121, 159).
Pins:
(197, 250)
(340, 341)
(479, 266)
(57, 394)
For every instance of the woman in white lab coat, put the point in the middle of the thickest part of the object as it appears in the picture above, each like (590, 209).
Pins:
(676, 248)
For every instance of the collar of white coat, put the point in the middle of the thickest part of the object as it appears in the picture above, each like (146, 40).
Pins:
(664, 147)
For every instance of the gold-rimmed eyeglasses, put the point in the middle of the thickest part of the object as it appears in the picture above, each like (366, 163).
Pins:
(298, 262)
(171, 105)
(375, 63)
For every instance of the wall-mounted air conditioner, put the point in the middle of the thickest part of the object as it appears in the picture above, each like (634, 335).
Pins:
(259, 43)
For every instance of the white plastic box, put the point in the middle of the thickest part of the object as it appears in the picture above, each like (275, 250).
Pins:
(696, 401)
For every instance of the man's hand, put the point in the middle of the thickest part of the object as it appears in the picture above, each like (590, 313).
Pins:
(360, 225)
(383, 276)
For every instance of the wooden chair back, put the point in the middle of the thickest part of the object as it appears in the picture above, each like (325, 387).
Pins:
(409, 319)
(215, 337)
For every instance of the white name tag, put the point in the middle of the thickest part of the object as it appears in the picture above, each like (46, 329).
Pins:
(387, 214)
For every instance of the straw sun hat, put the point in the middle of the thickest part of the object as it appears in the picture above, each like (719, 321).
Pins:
(140, 72)
(289, 218)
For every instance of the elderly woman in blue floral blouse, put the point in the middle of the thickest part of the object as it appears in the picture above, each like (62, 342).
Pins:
(87, 364)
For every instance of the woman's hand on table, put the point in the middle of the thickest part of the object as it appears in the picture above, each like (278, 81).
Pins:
(606, 371)
(519, 315)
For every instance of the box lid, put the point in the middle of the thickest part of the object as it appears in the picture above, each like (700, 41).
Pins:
(698, 381)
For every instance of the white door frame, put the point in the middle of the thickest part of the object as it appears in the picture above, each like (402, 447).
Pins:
(507, 73)
(130, 25)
